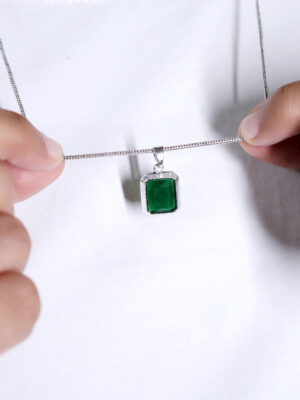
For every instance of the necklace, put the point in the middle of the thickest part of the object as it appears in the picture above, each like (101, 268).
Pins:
(160, 188)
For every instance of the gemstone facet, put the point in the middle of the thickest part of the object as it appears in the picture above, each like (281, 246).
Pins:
(159, 192)
(161, 195)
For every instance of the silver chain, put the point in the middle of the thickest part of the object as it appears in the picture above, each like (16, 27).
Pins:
(12, 79)
(228, 140)
(262, 50)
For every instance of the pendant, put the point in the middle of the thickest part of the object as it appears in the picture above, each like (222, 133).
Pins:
(159, 189)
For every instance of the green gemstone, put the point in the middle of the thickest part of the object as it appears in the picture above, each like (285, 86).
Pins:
(161, 195)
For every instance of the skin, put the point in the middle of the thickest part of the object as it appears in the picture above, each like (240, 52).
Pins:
(27, 168)
(278, 139)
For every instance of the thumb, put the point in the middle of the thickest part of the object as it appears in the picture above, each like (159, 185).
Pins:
(22, 145)
(33, 160)
(274, 120)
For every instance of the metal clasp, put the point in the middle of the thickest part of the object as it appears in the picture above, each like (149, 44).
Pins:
(158, 153)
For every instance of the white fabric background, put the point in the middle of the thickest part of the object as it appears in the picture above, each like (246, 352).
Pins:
(200, 304)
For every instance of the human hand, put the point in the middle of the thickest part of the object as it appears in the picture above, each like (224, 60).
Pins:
(272, 130)
(29, 162)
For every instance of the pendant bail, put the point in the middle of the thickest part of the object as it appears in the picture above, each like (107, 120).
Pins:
(158, 153)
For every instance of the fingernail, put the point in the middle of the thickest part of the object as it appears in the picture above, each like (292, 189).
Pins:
(250, 125)
(54, 149)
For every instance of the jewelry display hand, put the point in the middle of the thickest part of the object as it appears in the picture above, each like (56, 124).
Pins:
(272, 130)
(29, 162)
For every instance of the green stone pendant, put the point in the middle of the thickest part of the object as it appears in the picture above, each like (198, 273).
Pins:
(159, 189)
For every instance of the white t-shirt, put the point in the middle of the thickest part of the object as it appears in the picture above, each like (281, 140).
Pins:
(202, 303)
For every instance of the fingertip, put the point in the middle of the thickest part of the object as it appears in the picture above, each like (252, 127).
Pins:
(275, 120)
(250, 126)
(24, 146)
(54, 150)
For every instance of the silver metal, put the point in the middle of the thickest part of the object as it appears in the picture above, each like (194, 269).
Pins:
(262, 49)
(158, 153)
(160, 175)
(133, 152)
(12, 79)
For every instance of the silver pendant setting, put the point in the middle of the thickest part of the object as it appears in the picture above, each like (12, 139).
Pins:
(159, 189)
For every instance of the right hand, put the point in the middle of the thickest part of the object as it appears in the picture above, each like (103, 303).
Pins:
(29, 162)
(272, 130)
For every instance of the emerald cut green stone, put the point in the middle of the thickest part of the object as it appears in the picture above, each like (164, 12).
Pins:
(161, 195)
